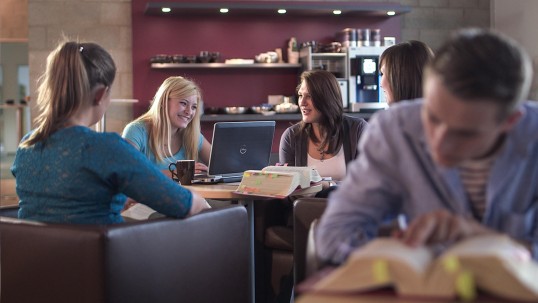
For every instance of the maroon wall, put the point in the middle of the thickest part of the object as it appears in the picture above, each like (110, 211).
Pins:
(234, 37)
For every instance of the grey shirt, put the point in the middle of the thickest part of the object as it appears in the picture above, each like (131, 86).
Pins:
(294, 144)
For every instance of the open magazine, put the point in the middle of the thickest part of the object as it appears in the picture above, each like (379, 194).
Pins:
(277, 181)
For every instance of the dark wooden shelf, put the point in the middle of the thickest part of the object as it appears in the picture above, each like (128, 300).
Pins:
(224, 65)
(295, 8)
(275, 117)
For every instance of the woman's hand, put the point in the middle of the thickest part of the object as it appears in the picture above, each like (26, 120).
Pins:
(198, 204)
(200, 168)
(441, 227)
(128, 204)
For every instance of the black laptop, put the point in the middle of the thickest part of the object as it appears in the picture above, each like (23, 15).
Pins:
(236, 147)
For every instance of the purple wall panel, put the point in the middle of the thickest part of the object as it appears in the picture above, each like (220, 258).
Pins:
(234, 37)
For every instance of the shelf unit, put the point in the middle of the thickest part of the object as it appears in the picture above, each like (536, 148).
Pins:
(332, 62)
(224, 65)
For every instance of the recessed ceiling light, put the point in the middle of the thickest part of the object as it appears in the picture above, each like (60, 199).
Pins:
(337, 12)
(281, 11)
(166, 9)
(224, 10)
(391, 13)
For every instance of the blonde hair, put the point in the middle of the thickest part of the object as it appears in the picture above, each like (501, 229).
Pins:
(73, 70)
(157, 118)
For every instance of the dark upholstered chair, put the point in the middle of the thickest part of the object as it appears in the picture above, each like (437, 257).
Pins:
(305, 211)
(204, 258)
(274, 248)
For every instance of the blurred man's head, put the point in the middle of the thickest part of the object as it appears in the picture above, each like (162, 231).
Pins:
(472, 90)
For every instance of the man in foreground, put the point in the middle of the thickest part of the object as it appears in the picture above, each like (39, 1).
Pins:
(461, 162)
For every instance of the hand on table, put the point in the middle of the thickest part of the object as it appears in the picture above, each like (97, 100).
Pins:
(200, 167)
(440, 227)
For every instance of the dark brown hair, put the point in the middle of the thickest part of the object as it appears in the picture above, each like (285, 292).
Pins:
(479, 64)
(403, 66)
(327, 99)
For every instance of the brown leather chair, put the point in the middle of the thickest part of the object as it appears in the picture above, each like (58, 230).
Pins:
(281, 244)
(204, 258)
(274, 248)
(305, 211)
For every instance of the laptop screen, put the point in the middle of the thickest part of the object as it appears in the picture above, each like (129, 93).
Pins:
(240, 146)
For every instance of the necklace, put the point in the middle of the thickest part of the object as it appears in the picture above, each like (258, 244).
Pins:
(322, 153)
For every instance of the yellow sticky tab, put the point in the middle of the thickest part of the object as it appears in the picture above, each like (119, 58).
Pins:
(246, 174)
(451, 264)
(465, 286)
(380, 270)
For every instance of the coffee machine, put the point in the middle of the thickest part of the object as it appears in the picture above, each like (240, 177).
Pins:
(364, 79)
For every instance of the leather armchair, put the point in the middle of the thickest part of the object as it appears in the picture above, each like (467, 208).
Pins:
(204, 258)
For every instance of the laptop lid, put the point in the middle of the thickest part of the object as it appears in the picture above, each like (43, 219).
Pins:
(240, 146)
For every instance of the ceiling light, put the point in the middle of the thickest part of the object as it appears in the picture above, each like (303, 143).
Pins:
(391, 13)
(224, 10)
(281, 11)
(337, 12)
(166, 9)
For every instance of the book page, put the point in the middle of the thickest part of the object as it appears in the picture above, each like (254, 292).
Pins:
(138, 211)
(381, 262)
(418, 258)
(499, 265)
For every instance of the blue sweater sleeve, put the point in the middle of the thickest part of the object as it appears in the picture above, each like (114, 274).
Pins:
(135, 176)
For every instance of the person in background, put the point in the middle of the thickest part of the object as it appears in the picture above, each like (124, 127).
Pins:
(325, 139)
(401, 67)
(68, 173)
(461, 162)
(170, 129)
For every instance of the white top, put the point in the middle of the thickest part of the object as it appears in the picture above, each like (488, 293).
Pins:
(334, 167)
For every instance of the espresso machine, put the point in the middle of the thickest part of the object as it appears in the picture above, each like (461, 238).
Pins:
(365, 92)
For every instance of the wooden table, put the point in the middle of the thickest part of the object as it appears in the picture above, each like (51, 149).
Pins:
(381, 298)
(226, 191)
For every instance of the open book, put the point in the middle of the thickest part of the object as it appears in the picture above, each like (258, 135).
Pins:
(494, 264)
(140, 211)
(277, 181)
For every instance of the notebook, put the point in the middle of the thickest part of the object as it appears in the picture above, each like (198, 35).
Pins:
(236, 147)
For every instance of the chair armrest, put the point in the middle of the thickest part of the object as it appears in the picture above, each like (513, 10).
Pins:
(196, 259)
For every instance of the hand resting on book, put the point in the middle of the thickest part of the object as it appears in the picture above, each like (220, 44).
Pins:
(441, 227)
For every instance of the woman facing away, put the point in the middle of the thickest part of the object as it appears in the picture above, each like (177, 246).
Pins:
(68, 173)
(401, 67)
(170, 129)
(325, 138)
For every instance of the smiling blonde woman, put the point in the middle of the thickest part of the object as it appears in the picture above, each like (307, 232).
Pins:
(170, 129)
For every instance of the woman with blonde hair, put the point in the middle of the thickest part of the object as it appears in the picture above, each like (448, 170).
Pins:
(170, 129)
(68, 173)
